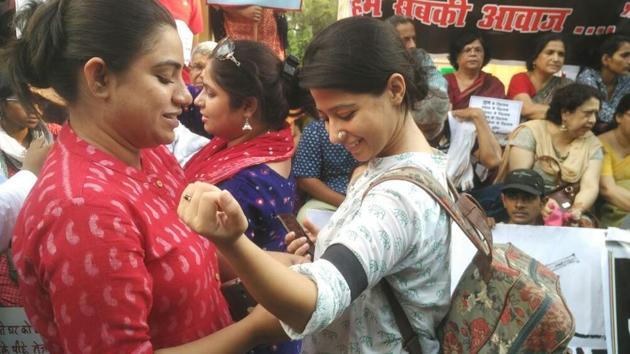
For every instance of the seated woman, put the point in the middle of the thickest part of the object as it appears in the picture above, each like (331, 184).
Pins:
(244, 105)
(464, 135)
(468, 54)
(537, 86)
(561, 148)
(322, 169)
(608, 72)
(615, 179)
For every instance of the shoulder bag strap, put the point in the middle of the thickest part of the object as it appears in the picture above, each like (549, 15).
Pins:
(478, 233)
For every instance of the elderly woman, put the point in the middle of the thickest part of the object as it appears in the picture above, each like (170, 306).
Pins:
(609, 74)
(536, 86)
(190, 117)
(615, 180)
(561, 148)
(468, 54)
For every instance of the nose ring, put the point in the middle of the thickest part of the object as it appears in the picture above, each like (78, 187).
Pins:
(342, 134)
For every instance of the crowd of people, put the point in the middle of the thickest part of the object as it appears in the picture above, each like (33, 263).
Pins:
(141, 172)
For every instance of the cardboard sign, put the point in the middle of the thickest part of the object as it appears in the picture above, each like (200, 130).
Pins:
(503, 116)
(16, 334)
(276, 4)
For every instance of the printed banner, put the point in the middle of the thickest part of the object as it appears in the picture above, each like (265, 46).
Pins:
(509, 26)
(617, 290)
(16, 333)
(277, 4)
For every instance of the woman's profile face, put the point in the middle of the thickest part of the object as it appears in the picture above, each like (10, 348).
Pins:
(218, 116)
(551, 59)
(369, 121)
(148, 97)
(16, 116)
(197, 64)
(623, 124)
(619, 62)
(582, 120)
(471, 56)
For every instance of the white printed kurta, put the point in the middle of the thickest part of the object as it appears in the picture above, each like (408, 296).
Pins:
(398, 231)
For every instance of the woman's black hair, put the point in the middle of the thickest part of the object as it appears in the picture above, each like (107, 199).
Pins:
(609, 47)
(568, 99)
(539, 46)
(465, 39)
(61, 35)
(622, 107)
(359, 55)
(263, 76)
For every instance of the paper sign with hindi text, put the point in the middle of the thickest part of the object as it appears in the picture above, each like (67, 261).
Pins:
(276, 4)
(16, 334)
(503, 116)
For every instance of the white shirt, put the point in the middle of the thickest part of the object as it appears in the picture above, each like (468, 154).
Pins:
(398, 231)
(13, 192)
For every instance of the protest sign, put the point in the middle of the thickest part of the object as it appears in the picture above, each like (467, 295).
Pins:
(16, 334)
(503, 116)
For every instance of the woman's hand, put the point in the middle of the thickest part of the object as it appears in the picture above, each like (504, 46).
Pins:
(36, 155)
(253, 12)
(212, 212)
(549, 207)
(300, 246)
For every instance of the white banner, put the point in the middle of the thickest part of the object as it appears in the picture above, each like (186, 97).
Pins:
(574, 254)
(16, 334)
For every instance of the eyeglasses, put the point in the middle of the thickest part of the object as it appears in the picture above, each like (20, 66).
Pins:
(225, 51)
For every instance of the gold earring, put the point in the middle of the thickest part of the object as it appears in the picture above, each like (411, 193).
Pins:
(341, 134)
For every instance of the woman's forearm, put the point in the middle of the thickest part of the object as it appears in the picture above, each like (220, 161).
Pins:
(288, 295)
(489, 148)
(617, 196)
(320, 191)
(586, 197)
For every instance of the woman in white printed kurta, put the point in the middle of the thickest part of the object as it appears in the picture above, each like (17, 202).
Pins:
(398, 231)
(363, 83)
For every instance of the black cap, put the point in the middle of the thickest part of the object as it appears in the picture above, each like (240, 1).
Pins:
(525, 180)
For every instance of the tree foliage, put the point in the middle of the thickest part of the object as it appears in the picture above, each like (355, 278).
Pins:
(315, 15)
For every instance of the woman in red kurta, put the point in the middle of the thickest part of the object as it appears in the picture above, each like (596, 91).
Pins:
(104, 263)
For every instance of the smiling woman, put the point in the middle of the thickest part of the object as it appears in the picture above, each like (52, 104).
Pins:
(536, 87)
(364, 83)
(118, 271)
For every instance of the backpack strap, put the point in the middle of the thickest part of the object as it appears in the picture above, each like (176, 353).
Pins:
(466, 213)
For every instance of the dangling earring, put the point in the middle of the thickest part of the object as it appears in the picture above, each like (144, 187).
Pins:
(246, 126)
(563, 127)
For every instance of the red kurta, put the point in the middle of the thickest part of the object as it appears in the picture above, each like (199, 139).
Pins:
(105, 264)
